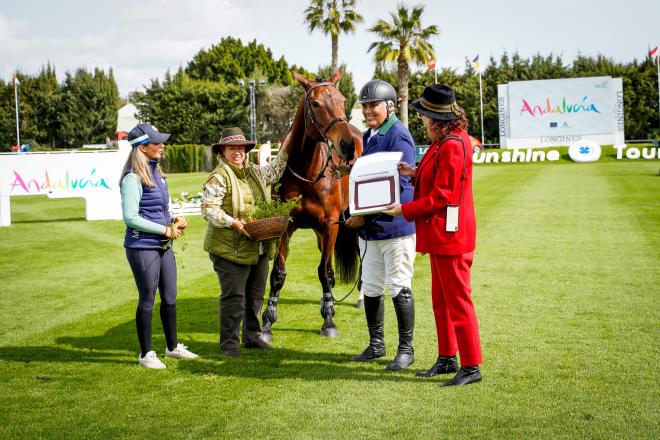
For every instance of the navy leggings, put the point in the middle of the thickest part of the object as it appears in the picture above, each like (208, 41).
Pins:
(154, 269)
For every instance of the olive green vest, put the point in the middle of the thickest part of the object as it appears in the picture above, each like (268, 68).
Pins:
(243, 189)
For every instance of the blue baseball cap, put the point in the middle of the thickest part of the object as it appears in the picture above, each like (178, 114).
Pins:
(145, 133)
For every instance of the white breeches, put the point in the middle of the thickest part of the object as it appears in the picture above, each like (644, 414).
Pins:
(387, 264)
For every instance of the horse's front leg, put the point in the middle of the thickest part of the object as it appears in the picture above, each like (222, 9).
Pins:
(327, 236)
(277, 277)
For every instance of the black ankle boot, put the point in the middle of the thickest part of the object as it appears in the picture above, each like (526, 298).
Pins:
(465, 376)
(374, 310)
(444, 365)
(404, 306)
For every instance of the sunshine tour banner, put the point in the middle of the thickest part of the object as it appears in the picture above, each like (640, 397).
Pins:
(580, 151)
(92, 175)
(560, 112)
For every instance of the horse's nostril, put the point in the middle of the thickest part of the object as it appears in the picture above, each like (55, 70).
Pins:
(347, 149)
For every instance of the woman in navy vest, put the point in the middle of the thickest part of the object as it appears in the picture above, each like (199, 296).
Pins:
(148, 241)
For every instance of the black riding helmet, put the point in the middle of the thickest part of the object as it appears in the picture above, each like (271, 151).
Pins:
(377, 90)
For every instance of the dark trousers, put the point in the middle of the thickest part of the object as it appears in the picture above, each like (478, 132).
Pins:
(154, 269)
(242, 290)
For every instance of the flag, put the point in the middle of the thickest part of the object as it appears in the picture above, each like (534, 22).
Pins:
(431, 63)
(476, 62)
(16, 81)
(653, 51)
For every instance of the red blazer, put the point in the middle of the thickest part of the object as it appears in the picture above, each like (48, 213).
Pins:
(437, 184)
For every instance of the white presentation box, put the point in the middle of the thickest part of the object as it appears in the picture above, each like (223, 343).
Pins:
(374, 183)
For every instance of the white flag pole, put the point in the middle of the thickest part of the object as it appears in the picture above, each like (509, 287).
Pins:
(657, 62)
(481, 99)
(18, 133)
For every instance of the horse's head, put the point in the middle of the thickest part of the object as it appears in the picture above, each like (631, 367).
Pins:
(324, 113)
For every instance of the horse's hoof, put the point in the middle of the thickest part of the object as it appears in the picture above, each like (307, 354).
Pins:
(331, 332)
(267, 337)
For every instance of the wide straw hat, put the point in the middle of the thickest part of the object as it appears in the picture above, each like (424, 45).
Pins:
(232, 136)
(438, 102)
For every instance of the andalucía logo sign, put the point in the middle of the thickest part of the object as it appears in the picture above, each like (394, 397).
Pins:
(563, 108)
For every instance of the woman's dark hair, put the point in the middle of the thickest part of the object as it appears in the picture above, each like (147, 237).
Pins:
(443, 128)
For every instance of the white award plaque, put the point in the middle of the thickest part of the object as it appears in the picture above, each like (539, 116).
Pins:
(374, 183)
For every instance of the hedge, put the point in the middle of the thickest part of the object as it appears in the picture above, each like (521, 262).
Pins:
(188, 158)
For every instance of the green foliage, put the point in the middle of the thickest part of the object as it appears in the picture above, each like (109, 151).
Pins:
(273, 207)
(180, 158)
(402, 42)
(230, 60)
(197, 102)
(332, 17)
(89, 101)
(193, 110)
(276, 108)
(82, 110)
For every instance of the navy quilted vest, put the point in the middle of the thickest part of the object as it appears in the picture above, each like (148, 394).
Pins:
(153, 206)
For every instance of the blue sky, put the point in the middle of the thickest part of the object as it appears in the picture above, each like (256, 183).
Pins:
(141, 39)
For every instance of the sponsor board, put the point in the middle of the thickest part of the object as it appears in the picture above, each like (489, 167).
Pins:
(556, 112)
(92, 175)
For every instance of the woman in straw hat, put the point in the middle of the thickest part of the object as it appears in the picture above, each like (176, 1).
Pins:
(240, 262)
(443, 211)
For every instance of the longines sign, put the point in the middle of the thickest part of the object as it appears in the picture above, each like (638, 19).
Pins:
(556, 112)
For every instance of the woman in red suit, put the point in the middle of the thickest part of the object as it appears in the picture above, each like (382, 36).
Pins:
(443, 211)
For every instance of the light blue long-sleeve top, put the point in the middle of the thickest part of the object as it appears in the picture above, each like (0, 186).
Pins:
(131, 194)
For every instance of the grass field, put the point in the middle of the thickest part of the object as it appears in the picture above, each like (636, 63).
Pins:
(566, 285)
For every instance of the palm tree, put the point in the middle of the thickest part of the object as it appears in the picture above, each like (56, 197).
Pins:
(403, 41)
(332, 17)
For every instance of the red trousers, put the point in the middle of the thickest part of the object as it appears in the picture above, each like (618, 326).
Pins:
(455, 317)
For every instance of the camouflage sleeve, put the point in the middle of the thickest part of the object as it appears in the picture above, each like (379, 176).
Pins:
(214, 193)
(272, 172)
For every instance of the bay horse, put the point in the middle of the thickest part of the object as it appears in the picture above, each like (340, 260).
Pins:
(320, 138)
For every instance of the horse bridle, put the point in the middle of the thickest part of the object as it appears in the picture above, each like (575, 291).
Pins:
(309, 113)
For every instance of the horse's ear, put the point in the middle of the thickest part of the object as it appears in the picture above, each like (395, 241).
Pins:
(301, 80)
(336, 76)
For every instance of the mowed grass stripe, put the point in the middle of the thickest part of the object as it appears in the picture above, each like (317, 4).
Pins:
(71, 268)
(553, 307)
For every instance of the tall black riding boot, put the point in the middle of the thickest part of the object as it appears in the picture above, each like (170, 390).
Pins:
(404, 306)
(374, 310)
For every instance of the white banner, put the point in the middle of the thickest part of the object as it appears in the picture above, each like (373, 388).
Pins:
(92, 175)
(560, 112)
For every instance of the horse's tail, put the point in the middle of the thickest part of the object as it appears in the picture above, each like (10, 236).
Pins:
(347, 254)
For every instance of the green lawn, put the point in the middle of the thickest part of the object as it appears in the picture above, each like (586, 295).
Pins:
(566, 285)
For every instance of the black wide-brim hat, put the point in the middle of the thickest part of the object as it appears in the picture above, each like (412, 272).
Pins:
(232, 136)
(438, 102)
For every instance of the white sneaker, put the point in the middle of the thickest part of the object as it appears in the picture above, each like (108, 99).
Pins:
(150, 360)
(180, 352)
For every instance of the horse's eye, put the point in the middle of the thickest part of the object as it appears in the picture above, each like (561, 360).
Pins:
(316, 104)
